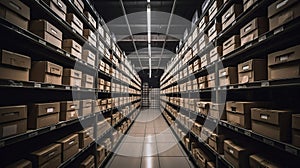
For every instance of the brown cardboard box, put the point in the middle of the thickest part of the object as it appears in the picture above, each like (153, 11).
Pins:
(214, 9)
(75, 23)
(259, 161)
(88, 162)
(231, 14)
(21, 164)
(239, 113)
(296, 130)
(79, 4)
(47, 72)
(43, 115)
(69, 146)
(203, 107)
(205, 60)
(86, 137)
(248, 3)
(58, 7)
(13, 113)
(14, 66)
(236, 155)
(282, 11)
(13, 128)
(90, 19)
(197, 65)
(211, 80)
(217, 111)
(215, 53)
(203, 41)
(196, 128)
(272, 123)
(88, 81)
(73, 48)
(72, 77)
(46, 31)
(214, 31)
(100, 154)
(217, 142)
(231, 44)
(50, 155)
(69, 110)
(210, 165)
(284, 63)
(202, 82)
(252, 70)
(254, 29)
(90, 36)
(15, 12)
(202, 23)
(89, 57)
(200, 156)
(228, 76)
(86, 107)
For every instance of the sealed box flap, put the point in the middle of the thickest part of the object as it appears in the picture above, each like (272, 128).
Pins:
(88, 78)
(232, 40)
(47, 153)
(211, 77)
(227, 71)
(88, 54)
(70, 43)
(71, 17)
(12, 113)
(59, 4)
(279, 6)
(72, 73)
(69, 105)
(217, 50)
(275, 117)
(284, 56)
(233, 149)
(235, 8)
(14, 59)
(53, 68)
(41, 25)
(45, 108)
(254, 24)
(88, 162)
(18, 7)
(69, 141)
(296, 121)
(89, 33)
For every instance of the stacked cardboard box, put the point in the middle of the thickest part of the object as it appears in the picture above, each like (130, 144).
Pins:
(75, 23)
(211, 80)
(252, 70)
(296, 130)
(260, 161)
(58, 7)
(248, 3)
(47, 72)
(231, 44)
(217, 111)
(86, 137)
(88, 162)
(69, 146)
(79, 5)
(91, 19)
(87, 81)
(69, 110)
(21, 163)
(72, 77)
(231, 14)
(212, 12)
(235, 154)
(90, 36)
(49, 156)
(89, 57)
(86, 107)
(72, 47)
(214, 31)
(228, 76)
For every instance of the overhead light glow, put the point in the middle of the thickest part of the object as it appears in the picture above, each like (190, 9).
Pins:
(149, 35)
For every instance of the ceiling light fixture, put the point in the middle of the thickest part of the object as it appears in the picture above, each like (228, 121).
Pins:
(149, 35)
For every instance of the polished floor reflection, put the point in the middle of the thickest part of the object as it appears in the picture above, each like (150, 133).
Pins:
(150, 143)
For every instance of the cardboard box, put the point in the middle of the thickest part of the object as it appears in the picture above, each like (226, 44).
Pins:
(69, 146)
(203, 41)
(254, 29)
(217, 142)
(228, 76)
(205, 60)
(216, 53)
(86, 107)
(90, 36)
(214, 9)
(284, 64)
(90, 19)
(217, 111)
(89, 57)
(282, 11)
(296, 130)
(231, 14)
(15, 12)
(200, 157)
(259, 161)
(43, 115)
(21, 164)
(58, 7)
(50, 155)
(252, 71)
(79, 5)
(239, 113)
(202, 82)
(272, 123)
(211, 80)
(236, 155)
(13, 113)
(88, 81)
(46, 31)
(196, 128)
(248, 3)
(13, 128)
(72, 77)
(197, 65)
(46, 72)
(231, 44)
(203, 107)
(86, 137)
(14, 66)
(210, 165)
(214, 31)
(69, 110)
(73, 48)
(88, 162)
(75, 23)
(100, 154)
(202, 23)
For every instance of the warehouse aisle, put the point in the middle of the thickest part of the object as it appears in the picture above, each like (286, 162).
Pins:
(150, 144)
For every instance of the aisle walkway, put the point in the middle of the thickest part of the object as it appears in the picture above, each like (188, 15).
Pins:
(150, 144)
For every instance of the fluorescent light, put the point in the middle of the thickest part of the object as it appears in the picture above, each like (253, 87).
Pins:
(149, 36)
(148, 1)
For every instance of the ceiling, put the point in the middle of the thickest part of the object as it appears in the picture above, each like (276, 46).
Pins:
(127, 19)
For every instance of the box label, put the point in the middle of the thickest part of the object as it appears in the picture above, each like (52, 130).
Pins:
(50, 110)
